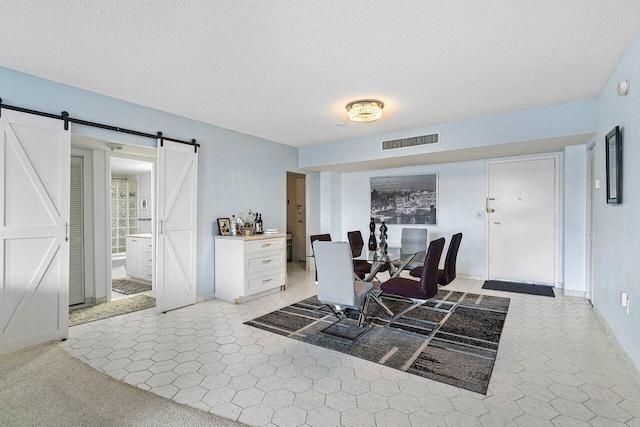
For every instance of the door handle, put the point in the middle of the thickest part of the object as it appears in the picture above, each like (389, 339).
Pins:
(66, 231)
(161, 227)
(496, 222)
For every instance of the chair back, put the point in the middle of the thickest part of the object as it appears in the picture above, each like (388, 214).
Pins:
(429, 277)
(334, 266)
(322, 238)
(414, 236)
(450, 260)
(356, 242)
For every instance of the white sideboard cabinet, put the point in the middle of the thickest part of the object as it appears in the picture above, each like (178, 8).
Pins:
(139, 262)
(249, 267)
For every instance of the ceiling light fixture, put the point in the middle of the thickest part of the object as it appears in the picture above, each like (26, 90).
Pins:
(365, 110)
(114, 146)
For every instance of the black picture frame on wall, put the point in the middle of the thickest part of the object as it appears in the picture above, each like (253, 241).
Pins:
(613, 152)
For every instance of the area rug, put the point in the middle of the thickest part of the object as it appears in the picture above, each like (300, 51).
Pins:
(110, 309)
(452, 338)
(128, 287)
(519, 288)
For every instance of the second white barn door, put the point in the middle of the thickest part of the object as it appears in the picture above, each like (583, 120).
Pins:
(177, 206)
(35, 154)
(521, 204)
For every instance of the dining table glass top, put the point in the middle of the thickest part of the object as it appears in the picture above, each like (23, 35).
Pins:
(394, 253)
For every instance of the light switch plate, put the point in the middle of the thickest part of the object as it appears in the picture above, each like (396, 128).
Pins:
(596, 183)
(624, 299)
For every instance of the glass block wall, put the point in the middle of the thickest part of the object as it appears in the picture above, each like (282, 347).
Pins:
(124, 212)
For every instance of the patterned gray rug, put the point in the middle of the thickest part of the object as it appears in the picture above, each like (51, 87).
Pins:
(110, 309)
(128, 287)
(452, 338)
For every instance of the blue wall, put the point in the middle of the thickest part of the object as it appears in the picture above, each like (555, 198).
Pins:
(237, 172)
(562, 120)
(617, 229)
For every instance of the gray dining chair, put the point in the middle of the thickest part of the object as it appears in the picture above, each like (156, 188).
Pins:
(413, 236)
(337, 286)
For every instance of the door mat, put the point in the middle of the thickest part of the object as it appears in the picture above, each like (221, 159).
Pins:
(110, 309)
(520, 288)
(452, 338)
(128, 287)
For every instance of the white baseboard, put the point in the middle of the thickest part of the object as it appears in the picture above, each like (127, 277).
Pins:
(635, 369)
(568, 293)
(470, 276)
(206, 297)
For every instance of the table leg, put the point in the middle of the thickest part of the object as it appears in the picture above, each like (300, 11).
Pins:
(376, 298)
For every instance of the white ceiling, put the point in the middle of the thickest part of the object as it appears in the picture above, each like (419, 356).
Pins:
(121, 166)
(284, 70)
(84, 142)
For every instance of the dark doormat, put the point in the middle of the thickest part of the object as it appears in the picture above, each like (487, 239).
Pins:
(520, 288)
(128, 287)
(110, 309)
(452, 338)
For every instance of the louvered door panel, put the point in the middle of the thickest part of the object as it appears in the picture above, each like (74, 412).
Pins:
(76, 233)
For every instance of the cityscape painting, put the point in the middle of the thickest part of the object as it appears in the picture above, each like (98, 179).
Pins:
(408, 199)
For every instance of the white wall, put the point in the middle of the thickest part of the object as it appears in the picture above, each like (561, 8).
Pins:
(575, 220)
(144, 192)
(553, 121)
(461, 193)
(617, 233)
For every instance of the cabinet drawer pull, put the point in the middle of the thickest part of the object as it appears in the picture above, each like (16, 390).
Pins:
(266, 245)
(266, 261)
(267, 280)
(133, 240)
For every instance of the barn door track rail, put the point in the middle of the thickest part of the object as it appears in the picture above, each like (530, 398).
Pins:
(64, 116)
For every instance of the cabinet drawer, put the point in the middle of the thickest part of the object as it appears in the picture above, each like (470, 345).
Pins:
(264, 245)
(148, 262)
(262, 282)
(148, 275)
(264, 261)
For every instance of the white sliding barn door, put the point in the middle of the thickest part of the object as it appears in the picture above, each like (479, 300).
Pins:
(177, 206)
(34, 196)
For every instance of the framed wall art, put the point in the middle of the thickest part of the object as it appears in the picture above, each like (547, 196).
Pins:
(409, 199)
(613, 152)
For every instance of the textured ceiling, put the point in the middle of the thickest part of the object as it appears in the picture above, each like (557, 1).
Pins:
(283, 70)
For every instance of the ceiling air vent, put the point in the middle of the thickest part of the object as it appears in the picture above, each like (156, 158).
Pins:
(414, 141)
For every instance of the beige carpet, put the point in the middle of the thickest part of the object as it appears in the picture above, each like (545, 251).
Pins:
(110, 309)
(45, 386)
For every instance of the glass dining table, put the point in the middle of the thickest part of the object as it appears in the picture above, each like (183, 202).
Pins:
(396, 258)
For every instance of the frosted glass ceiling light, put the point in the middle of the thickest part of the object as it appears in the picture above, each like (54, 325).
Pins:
(365, 110)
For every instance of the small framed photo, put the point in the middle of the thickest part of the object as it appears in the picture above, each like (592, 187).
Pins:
(613, 152)
(224, 225)
(144, 203)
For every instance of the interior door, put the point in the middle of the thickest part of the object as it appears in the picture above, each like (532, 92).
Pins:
(591, 236)
(301, 216)
(521, 209)
(76, 233)
(34, 193)
(177, 205)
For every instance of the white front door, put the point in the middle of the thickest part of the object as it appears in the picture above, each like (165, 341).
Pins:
(177, 206)
(35, 156)
(521, 220)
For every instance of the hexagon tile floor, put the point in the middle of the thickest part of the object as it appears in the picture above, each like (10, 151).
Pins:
(555, 367)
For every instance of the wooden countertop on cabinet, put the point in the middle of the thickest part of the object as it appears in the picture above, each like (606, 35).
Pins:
(249, 267)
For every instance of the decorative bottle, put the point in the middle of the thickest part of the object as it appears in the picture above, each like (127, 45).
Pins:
(373, 243)
(383, 238)
(234, 229)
